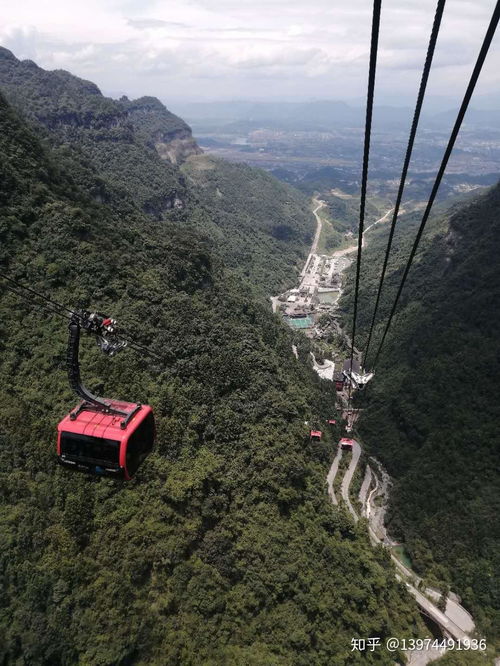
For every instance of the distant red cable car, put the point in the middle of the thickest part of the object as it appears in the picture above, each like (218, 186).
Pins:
(331, 421)
(315, 435)
(102, 437)
(346, 443)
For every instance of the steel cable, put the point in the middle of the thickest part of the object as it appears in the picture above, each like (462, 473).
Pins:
(416, 117)
(488, 38)
(364, 177)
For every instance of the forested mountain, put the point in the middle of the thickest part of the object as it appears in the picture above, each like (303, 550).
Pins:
(260, 221)
(432, 411)
(128, 153)
(225, 548)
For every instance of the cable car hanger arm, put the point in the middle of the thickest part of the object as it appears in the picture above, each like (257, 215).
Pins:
(104, 330)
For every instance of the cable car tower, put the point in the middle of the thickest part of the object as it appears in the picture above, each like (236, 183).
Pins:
(356, 377)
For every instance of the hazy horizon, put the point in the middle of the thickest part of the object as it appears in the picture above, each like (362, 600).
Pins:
(222, 50)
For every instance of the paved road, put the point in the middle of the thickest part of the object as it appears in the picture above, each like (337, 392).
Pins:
(461, 617)
(446, 621)
(346, 481)
(319, 226)
(377, 511)
(381, 219)
(438, 616)
(353, 248)
(454, 611)
(332, 474)
(326, 370)
(363, 492)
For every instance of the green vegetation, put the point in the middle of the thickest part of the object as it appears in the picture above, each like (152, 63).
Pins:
(402, 554)
(225, 548)
(342, 469)
(262, 226)
(115, 161)
(330, 239)
(341, 219)
(433, 411)
(355, 486)
(119, 151)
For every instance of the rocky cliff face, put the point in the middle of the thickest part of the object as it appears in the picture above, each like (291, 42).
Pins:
(63, 102)
(130, 153)
(178, 150)
(169, 134)
(136, 146)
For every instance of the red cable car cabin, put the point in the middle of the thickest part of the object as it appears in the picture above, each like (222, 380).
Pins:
(315, 436)
(100, 436)
(346, 443)
(106, 444)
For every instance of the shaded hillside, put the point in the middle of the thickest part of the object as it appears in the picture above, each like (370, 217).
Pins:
(128, 153)
(264, 225)
(433, 410)
(225, 548)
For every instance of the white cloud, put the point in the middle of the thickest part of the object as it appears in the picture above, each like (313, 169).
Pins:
(235, 48)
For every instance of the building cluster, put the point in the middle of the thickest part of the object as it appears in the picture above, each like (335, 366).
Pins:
(319, 290)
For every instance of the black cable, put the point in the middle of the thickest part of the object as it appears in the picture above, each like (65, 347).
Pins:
(364, 178)
(463, 108)
(59, 309)
(47, 308)
(35, 293)
(141, 349)
(416, 117)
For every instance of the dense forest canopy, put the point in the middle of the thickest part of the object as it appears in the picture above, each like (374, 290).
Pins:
(225, 548)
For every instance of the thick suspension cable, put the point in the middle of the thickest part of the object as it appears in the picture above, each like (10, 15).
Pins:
(416, 117)
(36, 293)
(45, 306)
(61, 310)
(461, 114)
(364, 178)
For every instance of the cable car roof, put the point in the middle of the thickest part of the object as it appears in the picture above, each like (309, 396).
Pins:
(100, 424)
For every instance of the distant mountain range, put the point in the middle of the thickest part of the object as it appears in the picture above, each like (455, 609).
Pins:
(326, 115)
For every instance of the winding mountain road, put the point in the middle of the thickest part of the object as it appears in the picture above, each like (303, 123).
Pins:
(332, 473)
(455, 621)
(314, 246)
(319, 224)
(365, 486)
(346, 481)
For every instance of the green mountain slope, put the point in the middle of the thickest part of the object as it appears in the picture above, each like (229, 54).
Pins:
(73, 113)
(225, 548)
(432, 410)
(129, 153)
(261, 225)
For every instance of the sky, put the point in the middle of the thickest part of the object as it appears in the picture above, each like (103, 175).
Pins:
(270, 50)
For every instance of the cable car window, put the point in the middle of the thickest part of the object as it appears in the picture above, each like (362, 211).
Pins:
(140, 444)
(90, 448)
